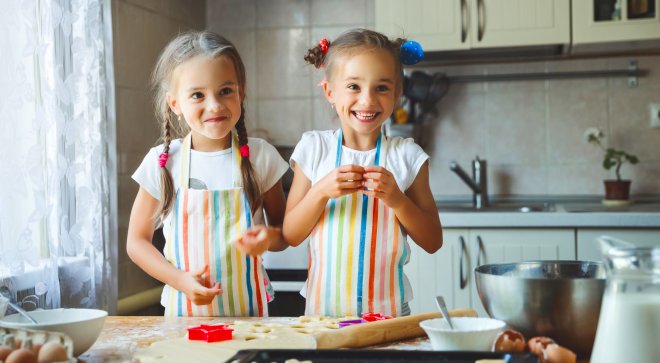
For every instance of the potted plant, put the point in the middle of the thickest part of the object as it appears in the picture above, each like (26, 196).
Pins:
(619, 189)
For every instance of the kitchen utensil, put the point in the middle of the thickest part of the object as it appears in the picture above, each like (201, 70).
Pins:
(382, 331)
(6, 295)
(629, 323)
(468, 333)
(440, 301)
(557, 299)
(82, 325)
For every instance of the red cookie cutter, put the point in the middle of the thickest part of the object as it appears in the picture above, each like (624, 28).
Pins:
(375, 317)
(210, 333)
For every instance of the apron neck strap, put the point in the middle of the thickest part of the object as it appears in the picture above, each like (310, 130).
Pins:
(379, 158)
(184, 175)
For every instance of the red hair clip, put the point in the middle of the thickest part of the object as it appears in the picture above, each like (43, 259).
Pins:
(162, 159)
(324, 44)
(245, 151)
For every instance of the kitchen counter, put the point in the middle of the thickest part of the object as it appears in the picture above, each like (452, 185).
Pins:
(122, 336)
(551, 212)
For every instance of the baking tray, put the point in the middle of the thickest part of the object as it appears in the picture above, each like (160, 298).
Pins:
(375, 355)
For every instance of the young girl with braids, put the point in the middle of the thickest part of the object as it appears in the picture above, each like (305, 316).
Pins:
(209, 188)
(356, 193)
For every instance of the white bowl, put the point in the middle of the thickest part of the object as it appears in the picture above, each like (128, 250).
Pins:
(475, 334)
(82, 325)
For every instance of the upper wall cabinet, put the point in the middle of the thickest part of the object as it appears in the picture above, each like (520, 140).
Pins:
(610, 21)
(470, 24)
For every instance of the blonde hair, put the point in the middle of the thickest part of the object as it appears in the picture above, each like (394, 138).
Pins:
(181, 49)
(353, 42)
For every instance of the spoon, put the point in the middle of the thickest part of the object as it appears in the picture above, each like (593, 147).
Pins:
(4, 291)
(440, 301)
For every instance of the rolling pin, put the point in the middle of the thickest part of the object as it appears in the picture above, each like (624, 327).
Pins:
(382, 331)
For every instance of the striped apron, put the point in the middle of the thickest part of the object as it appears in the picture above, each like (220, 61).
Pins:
(200, 231)
(357, 253)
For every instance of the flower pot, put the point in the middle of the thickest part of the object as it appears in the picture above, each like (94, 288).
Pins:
(617, 189)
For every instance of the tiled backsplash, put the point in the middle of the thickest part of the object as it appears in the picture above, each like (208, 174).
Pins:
(530, 132)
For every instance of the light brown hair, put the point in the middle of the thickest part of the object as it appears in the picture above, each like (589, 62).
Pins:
(353, 42)
(181, 49)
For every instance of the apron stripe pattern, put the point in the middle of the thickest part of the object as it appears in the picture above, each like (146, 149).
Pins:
(356, 257)
(200, 231)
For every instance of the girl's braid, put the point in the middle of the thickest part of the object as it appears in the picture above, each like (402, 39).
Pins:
(249, 182)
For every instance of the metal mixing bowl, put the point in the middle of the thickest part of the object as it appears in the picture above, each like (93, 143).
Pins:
(557, 299)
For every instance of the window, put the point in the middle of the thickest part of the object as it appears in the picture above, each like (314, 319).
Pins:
(57, 178)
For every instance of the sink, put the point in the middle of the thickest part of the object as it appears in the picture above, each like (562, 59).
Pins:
(497, 207)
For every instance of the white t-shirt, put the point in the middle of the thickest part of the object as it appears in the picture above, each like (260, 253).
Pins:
(212, 170)
(316, 155)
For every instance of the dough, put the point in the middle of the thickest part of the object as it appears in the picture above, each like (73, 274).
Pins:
(246, 335)
(184, 350)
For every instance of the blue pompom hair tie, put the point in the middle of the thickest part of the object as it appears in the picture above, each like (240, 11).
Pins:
(411, 53)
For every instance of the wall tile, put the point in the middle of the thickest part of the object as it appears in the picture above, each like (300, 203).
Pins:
(323, 117)
(135, 119)
(571, 112)
(281, 70)
(645, 178)
(286, 119)
(576, 179)
(520, 180)
(283, 13)
(245, 42)
(630, 125)
(334, 12)
(516, 126)
(231, 14)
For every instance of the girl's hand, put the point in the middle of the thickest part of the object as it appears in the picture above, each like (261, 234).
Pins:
(346, 179)
(257, 239)
(380, 183)
(194, 284)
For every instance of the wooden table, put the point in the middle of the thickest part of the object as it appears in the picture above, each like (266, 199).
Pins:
(122, 336)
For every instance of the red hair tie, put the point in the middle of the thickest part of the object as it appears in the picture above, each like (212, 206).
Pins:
(324, 44)
(162, 159)
(245, 151)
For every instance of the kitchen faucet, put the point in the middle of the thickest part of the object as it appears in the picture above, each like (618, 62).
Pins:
(479, 185)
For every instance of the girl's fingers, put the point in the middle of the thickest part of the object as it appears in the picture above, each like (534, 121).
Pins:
(350, 185)
(200, 271)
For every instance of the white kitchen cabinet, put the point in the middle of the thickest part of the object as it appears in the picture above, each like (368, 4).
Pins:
(468, 24)
(603, 21)
(589, 250)
(450, 271)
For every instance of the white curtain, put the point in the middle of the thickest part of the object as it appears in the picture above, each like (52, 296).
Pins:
(58, 238)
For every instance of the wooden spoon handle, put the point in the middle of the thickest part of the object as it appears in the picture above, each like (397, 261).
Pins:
(378, 332)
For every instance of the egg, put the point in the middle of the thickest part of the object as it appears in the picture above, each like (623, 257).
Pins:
(4, 352)
(509, 341)
(557, 354)
(538, 344)
(21, 355)
(52, 352)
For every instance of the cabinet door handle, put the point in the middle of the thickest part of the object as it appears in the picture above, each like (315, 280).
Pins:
(481, 250)
(464, 21)
(462, 280)
(481, 25)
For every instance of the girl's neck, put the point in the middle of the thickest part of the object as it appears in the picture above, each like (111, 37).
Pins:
(360, 142)
(204, 144)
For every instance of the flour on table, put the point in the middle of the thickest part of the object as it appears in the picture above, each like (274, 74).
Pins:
(246, 335)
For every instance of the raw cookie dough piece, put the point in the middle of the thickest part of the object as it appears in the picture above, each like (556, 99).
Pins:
(184, 350)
